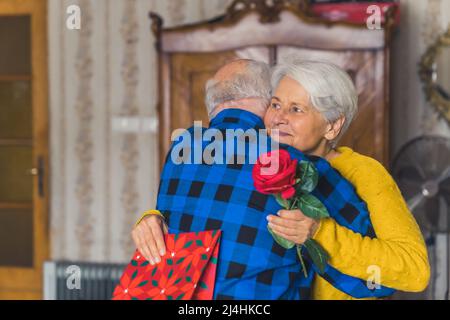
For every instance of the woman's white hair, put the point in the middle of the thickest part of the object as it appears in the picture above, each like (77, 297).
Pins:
(330, 88)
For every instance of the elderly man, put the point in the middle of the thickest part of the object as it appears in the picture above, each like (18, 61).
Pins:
(204, 196)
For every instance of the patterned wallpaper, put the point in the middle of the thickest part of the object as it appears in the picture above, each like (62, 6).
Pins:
(102, 178)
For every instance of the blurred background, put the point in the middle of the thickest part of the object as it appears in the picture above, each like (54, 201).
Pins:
(89, 97)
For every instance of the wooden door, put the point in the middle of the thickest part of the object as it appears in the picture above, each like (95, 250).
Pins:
(24, 243)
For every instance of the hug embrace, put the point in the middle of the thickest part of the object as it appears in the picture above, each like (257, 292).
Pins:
(368, 241)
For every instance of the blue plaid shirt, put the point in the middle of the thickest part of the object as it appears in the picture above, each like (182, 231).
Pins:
(251, 265)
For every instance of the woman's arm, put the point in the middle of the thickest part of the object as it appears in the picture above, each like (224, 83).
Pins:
(398, 250)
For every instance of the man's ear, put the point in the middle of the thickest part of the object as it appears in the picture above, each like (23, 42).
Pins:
(334, 128)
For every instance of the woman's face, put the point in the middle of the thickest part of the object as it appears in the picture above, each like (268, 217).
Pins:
(299, 124)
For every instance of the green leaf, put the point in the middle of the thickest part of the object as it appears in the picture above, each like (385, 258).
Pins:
(169, 298)
(281, 241)
(282, 202)
(154, 283)
(143, 283)
(145, 263)
(203, 285)
(307, 173)
(188, 279)
(204, 256)
(169, 262)
(134, 263)
(154, 271)
(177, 281)
(134, 275)
(188, 244)
(180, 296)
(214, 260)
(312, 207)
(199, 242)
(318, 255)
(180, 260)
(170, 274)
(189, 266)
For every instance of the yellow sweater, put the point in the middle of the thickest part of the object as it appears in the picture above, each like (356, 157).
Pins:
(399, 249)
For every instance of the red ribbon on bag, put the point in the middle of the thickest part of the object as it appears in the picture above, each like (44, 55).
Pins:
(186, 272)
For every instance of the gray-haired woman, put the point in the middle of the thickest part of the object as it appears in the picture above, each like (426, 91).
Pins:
(312, 106)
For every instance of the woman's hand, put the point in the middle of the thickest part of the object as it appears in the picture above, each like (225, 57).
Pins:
(148, 237)
(293, 225)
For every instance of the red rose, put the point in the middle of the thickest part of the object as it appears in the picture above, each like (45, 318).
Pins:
(274, 172)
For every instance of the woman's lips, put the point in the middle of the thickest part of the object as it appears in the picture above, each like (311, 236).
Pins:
(281, 133)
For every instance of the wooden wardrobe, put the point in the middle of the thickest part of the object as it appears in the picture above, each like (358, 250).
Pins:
(271, 31)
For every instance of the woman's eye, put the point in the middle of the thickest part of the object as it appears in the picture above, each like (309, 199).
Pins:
(275, 106)
(297, 109)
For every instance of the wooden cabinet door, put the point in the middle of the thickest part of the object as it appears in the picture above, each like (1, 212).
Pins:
(23, 148)
(368, 131)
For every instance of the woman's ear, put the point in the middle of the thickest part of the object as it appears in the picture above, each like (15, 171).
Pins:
(334, 128)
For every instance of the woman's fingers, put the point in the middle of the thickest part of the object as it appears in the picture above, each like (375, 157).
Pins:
(142, 243)
(283, 235)
(165, 227)
(283, 230)
(151, 243)
(282, 222)
(135, 238)
(296, 214)
(157, 229)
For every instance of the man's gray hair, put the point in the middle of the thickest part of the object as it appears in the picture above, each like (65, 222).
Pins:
(253, 82)
(330, 88)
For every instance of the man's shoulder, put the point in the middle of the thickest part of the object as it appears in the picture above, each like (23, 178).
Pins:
(319, 162)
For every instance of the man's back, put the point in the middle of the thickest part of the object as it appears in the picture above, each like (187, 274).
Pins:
(197, 197)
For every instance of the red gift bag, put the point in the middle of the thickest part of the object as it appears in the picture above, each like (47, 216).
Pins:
(186, 272)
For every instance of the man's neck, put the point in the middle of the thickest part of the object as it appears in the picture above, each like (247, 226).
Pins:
(253, 105)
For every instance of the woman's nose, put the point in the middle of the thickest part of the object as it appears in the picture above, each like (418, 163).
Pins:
(280, 117)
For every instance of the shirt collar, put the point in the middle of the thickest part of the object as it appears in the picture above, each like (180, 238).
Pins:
(245, 119)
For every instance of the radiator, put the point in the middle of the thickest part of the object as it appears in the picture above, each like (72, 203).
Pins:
(65, 280)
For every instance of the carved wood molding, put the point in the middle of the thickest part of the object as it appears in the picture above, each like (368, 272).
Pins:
(269, 10)
(157, 23)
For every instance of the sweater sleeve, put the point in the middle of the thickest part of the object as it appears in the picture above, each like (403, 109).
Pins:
(399, 249)
(148, 213)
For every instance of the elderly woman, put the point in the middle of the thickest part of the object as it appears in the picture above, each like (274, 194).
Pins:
(312, 106)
